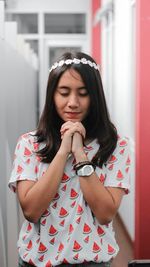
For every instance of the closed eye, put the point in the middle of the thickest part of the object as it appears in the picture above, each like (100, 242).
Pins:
(83, 93)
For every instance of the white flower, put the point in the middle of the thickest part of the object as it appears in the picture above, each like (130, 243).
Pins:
(61, 63)
(76, 61)
(83, 60)
(68, 61)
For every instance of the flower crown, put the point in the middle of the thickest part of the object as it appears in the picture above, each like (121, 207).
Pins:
(74, 61)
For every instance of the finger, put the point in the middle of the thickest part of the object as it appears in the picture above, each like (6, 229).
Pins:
(68, 124)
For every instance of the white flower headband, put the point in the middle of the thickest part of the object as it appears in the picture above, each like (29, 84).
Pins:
(75, 61)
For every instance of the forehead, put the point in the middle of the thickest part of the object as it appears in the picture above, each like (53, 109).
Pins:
(71, 75)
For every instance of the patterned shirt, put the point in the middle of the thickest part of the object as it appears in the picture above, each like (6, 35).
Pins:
(68, 232)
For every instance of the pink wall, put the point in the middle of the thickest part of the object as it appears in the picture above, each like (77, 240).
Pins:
(96, 45)
(142, 216)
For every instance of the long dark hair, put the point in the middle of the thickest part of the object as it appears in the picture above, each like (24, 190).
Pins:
(97, 123)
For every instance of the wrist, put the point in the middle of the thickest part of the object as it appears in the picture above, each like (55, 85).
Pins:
(63, 153)
(80, 156)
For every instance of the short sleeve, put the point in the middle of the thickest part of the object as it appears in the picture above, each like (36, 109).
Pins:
(25, 163)
(118, 166)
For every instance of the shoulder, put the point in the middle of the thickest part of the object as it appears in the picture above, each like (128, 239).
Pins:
(28, 139)
(123, 142)
(121, 151)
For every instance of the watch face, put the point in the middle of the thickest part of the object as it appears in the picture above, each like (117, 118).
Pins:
(86, 170)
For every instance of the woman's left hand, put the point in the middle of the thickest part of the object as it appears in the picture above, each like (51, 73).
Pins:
(79, 134)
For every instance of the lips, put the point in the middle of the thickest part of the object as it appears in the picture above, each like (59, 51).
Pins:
(72, 114)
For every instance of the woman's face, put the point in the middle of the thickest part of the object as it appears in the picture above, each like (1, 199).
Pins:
(71, 98)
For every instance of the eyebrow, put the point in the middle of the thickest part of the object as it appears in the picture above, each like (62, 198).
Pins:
(67, 87)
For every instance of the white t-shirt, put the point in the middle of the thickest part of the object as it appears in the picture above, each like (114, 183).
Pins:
(68, 232)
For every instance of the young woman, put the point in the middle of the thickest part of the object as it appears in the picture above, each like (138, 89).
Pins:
(71, 173)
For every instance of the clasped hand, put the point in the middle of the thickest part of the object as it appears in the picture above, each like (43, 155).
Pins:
(72, 136)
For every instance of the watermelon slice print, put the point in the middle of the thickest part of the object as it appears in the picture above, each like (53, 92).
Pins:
(76, 256)
(70, 229)
(86, 240)
(96, 248)
(73, 204)
(42, 248)
(63, 213)
(57, 196)
(111, 167)
(28, 161)
(62, 223)
(76, 246)
(36, 169)
(52, 230)
(112, 159)
(31, 262)
(78, 220)
(46, 213)
(127, 169)
(24, 237)
(36, 146)
(65, 261)
(96, 258)
(74, 161)
(79, 210)
(65, 178)
(89, 148)
(123, 143)
(55, 205)
(119, 175)
(19, 169)
(100, 231)
(25, 255)
(52, 241)
(43, 222)
(29, 246)
(27, 152)
(61, 247)
(111, 250)
(48, 264)
(38, 240)
(56, 258)
(128, 162)
(102, 178)
(86, 229)
(39, 159)
(64, 188)
(73, 194)
(41, 258)
(122, 151)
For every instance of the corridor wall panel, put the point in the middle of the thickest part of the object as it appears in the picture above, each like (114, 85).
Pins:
(18, 98)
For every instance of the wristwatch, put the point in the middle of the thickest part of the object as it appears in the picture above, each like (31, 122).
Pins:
(86, 170)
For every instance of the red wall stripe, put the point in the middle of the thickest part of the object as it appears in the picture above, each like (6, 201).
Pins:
(142, 201)
(96, 31)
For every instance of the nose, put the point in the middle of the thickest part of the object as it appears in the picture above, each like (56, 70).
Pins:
(73, 101)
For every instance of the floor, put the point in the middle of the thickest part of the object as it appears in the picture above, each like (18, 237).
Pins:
(126, 249)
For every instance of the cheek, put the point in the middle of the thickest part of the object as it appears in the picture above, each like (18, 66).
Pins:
(87, 104)
(57, 101)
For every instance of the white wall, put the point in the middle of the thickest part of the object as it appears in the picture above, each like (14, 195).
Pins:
(118, 71)
(124, 94)
(18, 90)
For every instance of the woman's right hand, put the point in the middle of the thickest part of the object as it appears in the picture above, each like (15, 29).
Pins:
(66, 142)
(68, 129)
